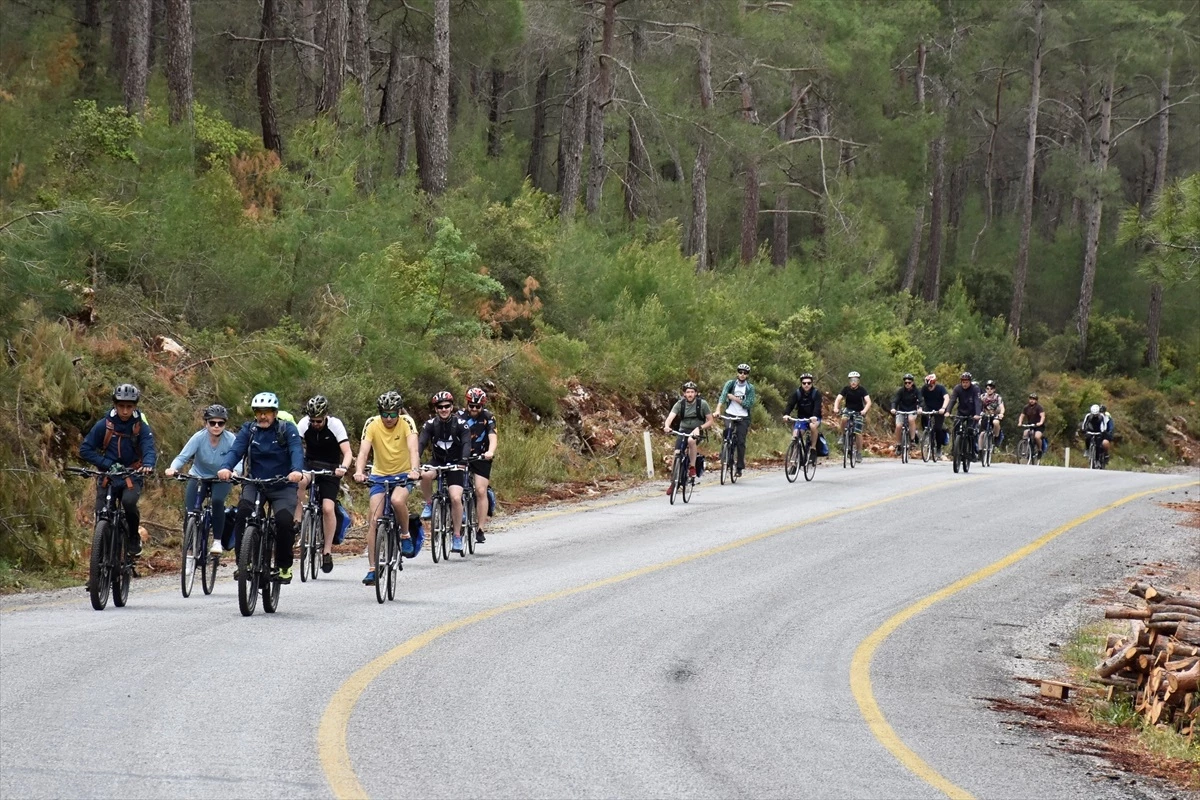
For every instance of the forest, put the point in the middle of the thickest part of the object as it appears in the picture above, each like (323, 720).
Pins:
(565, 199)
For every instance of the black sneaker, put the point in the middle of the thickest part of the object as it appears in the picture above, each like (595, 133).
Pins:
(327, 563)
(479, 537)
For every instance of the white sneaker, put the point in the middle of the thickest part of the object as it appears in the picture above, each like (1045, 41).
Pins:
(216, 548)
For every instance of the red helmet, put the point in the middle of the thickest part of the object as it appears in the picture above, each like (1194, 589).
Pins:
(476, 396)
(441, 397)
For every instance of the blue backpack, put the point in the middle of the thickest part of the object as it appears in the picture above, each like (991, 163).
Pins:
(411, 547)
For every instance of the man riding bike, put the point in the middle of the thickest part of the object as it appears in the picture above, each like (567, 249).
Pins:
(449, 441)
(271, 447)
(1034, 414)
(122, 440)
(906, 401)
(481, 427)
(694, 417)
(207, 450)
(966, 397)
(1098, 422)
(855, 398)
(737, 399)
(993, 405)
(934, 400)
(326, 447)
(806, 403)
(392, 437)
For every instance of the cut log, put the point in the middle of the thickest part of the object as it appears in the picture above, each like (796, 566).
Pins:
(1158, 616)
(1125, 612)
(1115, 640)
(1148, 592)
(1175, 607)
(1178, 648)
(1180, 683)
(1189, 633)
(1163, 627)
(1118, 661)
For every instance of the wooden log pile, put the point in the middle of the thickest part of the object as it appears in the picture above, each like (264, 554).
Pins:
(1158, 663)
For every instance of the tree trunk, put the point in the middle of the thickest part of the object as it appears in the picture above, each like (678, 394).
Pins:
(179, 60)
(574, 124)
(119, 11)
(333, 60)
(360, 55)
(405, 124)
(434, 181)
(782, 219)
(601, 98)
(537, 139)
(931, 285)
(1095, 210)
(918, 229)
(158, 11)
(989, 169)
(750, 192)
(390, 101)
(422, 119)
(638, 165)
(697, 240)
(265, 80)
(495, 98)
(1154, 319)
(89, 44)
(304, 22)
(1031, 127)
(954, 209)
(137, 63)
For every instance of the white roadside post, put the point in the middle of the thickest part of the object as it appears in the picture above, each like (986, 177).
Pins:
(1067, 457)
(649, 454)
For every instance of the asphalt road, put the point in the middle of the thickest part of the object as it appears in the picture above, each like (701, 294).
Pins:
(701, 650)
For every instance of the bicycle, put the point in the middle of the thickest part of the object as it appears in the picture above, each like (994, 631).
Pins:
(312, 528)
(963, 443)
(987, 437)
(440, 520)
(197, 536)
(1095, 450)
(110, 570)
(729, 450)
(256, 552)
(389, 558)
(470, 522)
(929, 446)
(799, 453)
(850, 453)
(1027, 450)
(906, 438)
(681, 481)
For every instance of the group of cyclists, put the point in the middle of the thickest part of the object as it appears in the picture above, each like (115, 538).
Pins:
(272, 447)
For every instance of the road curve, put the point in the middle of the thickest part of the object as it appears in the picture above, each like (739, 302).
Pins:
(699, 650)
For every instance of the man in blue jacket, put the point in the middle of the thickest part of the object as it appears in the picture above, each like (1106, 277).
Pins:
(122, 440)
(271, 447)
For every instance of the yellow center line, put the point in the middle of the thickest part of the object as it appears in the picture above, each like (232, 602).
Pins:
(860, 665)
(332, 744)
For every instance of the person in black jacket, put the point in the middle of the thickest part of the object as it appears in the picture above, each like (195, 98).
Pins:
(966, 397)
(906, 401)
(806, 402)
(934, 399)
(449, 440)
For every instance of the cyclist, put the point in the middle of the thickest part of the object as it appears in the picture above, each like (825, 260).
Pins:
(806, 402)
(206, 450)
(934, 400)
(907, 400)
(993, 406)
(449, 441)
(122, 440)
(737, 398)
(1034, 414)
(481, 426)
(855, 398)
(966, 397)
(694, 417)
(326, 447)
(271, 447)
(392, 437)
(1098, 421)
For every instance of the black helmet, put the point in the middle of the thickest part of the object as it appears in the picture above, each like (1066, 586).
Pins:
(317, 406)
(908, 376)
(1103, 409)
(966, 376)
(216, 411)
(126, 393)
(688, 385)
(990, 383)
(389, 402)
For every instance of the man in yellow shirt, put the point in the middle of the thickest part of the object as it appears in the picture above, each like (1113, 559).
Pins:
(393, 438)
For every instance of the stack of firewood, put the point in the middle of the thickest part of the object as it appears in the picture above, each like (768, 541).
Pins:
(1159, 662)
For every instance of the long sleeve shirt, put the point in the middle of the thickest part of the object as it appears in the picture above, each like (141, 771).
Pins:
(131, 442)
(206, 459)
(274, 451)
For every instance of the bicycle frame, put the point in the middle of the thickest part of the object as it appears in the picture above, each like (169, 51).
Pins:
(110, 562)
(440, 501)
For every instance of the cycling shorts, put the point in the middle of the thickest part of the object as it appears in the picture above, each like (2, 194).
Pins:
(482, 468)
(377, 486)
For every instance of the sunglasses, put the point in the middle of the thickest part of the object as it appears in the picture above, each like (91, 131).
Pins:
(474, 406)
(908, 381)
(217, 423)
(389, 416)
(317, 420)
(444, 407)
(258, 411)
(743, 372)
(806, 383)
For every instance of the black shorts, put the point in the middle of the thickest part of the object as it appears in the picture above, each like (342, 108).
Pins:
(482, 468)
(328, 487)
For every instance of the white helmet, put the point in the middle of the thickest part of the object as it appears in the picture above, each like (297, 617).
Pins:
(1095, 409)
(854, 375)
(265, 400)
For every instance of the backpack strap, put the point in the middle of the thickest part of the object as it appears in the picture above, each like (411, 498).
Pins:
(110, 431)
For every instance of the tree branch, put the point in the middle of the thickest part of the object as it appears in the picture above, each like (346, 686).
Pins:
(31, 214)
(1155, 115)
(279, 40)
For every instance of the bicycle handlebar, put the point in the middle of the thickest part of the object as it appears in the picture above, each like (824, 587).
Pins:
(728, 418)
(681, 433)
(243, 480)
(179, 476)
(443, 468)
(84, 472)
(319, 473)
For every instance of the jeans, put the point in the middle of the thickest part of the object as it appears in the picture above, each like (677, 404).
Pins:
(219, 491)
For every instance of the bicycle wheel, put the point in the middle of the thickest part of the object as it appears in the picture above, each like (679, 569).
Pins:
(306, 544)
(470, 521)
(383, 546)
(968, 444)
(686, 482)
(927, 445)
(248, 565)
(673, 486)
(395, 561)
(208, 573)
(441, 527)
(792, 461)
(809, 459)
(187, 562)
(730, 467)
(722, 457)
(269, 580)
(122, 568)
(985, 457)
(852, 447)
(99, 574)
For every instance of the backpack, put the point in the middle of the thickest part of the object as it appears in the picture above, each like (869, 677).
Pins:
(683, 407)
(411, 547)
(110, 431)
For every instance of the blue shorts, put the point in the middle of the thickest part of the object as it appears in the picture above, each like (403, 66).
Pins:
(398, 481)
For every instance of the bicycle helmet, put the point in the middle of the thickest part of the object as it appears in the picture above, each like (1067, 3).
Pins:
(1033, 396)
(389, 402)
(265, 400)
(990, 383)
(908, 376)
(854, 375)
(688, 385)
(743, 368)
(930, 378)
(441, 397)
(216, 411)
(1095, 409)
(317, 406)
(476, 396)
(1103, 408)
(806, 376)
(126, 393)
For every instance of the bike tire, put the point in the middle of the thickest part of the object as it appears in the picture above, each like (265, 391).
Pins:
(926, 445)
(686, 483)
(248, 566)
(470, 521)
(673, 486)
(852, 448)
(395, 562)
(189, 556)
(731, 455)
(985, 458)
(722, 458)
(270, 583)
(433, 541)
(792, 461)
(99, 574)
(122, 569)
(383, 546)
(966, 454)
(306, 544)
(810, 462)
(441, 527)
